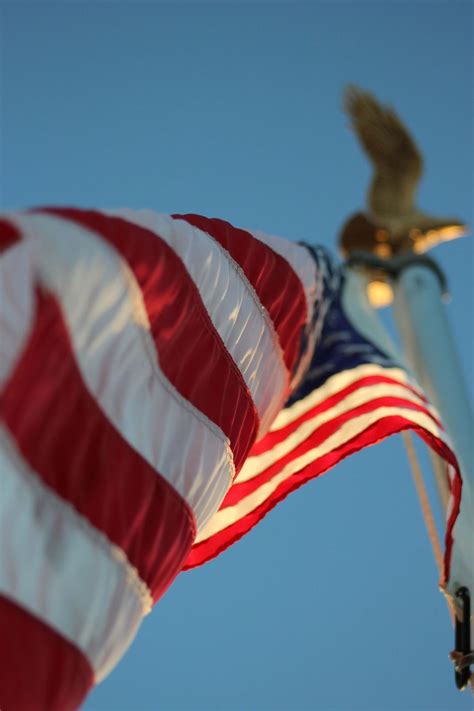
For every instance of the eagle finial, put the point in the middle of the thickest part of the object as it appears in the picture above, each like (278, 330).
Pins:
(393, 223)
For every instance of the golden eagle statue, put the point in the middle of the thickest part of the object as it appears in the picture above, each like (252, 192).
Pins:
(393, 223)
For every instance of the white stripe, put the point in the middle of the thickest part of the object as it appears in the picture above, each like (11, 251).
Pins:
(255, 465)
(229, 515)
(64, 571)
(301, 262)
(16, 306)
(104, 311)
(233, 307)
(335, 384)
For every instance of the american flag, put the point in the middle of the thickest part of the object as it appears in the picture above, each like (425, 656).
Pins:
(164, 382)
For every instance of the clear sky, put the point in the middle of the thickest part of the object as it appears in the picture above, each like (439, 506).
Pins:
(233, 110)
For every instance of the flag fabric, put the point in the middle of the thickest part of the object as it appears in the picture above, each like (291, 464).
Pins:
(354, 394)
(164, 382)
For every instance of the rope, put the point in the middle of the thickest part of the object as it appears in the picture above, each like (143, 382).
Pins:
(442, 481)
(424, 502)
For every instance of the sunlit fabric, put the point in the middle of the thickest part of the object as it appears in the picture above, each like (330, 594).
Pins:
(165, 381)
(355, 393)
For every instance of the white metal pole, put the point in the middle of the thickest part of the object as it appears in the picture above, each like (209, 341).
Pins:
(425, 332)
(426, 335)
(364, 316)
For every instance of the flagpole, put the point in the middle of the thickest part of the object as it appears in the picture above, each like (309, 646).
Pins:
(429, 345)
(417, 286)
(425, 332)
(359, 308)
(388, 242)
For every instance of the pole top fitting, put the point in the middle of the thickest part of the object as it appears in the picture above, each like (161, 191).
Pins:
(383, 272)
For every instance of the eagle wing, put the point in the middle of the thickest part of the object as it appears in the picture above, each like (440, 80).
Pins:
(397, 162)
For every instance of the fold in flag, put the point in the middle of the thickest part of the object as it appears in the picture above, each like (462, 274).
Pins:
(164, 382)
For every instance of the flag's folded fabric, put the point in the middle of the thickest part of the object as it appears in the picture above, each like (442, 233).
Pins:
(164, 382)
(355, 393)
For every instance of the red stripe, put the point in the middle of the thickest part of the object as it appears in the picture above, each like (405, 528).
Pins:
(211, 547)
(277, 286)
(68, 441)
(9, 235)
(456, 491)
(40, 670)
(317, 437)
(190, 351)
(273, 438)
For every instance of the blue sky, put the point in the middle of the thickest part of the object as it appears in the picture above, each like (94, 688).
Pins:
(233, 110)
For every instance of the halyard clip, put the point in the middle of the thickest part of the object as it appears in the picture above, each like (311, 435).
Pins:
(462, 656)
